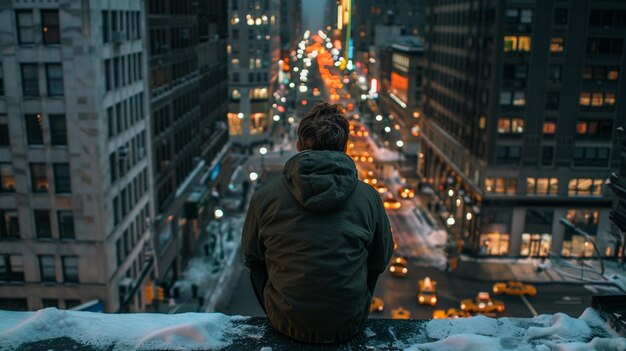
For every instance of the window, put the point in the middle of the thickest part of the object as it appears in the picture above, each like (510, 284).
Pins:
(257, 94)
(71, 303)
(11, 269)
(494, 244)
(508, 154)
(50, 27)
(70, 269)
(611, 74)
(547, 155)
(517, 43)
(58, 130)
(501, 185)
(1, 80)
(517, 98)
(595, 128)
(605, 46)
(62, 181)
(30, 80)
(552, 100)
(47, 268)
(34, 132)
(585, 186)
(42, 224)
(54, 79)
(557, 45)
(508, 125)
(4, 131)
(7, 178)
(560, 17)
(39, 181)
(235, 95)
(519, 16)
(66, 224)
(536, 245)
(542, 186)
(598, 99)
(47, 303)
(105, 26)
(25, 27)
(9, 224)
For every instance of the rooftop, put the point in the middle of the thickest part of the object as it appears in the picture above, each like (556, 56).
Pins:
(58, 329)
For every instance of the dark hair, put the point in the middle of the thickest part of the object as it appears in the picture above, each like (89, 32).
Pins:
(324, 128)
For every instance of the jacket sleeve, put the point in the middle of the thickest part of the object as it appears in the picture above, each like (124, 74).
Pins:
(380, 248)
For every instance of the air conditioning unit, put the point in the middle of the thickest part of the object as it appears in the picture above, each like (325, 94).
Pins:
(118, 36)
(125, 285)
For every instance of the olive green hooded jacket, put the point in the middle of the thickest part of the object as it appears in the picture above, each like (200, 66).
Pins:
(316, 240)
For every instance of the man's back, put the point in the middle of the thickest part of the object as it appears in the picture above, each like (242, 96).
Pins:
(316, 226)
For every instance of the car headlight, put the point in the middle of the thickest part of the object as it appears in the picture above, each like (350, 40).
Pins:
(421, 298)
(481, 305)
(433, 300)
(404, 270)
(392, 269)
(462, 306)
(495, 289)
(380, 308)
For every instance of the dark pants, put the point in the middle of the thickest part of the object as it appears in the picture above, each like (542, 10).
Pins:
(258, 284)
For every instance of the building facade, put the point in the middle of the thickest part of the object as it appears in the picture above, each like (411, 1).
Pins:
(520, 115)
(254, 51)
(75, 184)
(188, 104)
(290, 25)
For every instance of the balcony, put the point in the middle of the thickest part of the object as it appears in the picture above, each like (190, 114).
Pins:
(69, 330)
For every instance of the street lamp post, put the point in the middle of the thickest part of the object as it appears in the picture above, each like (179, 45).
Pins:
(569, 225)
(263, 151)
(218, 214)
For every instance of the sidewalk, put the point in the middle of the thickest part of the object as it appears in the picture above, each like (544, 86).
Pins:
(552, 272)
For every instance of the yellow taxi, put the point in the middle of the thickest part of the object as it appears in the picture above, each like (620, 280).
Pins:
(450, 313)
(427, 292)
(514, 288)
(400, 313)
(362, 132)
(482, 304)
(377, 304)
(406, 192)
(399, 267)
(391, 203)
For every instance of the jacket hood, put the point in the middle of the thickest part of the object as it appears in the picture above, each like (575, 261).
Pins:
(320, 180)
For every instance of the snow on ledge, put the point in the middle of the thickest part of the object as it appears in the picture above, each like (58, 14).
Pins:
(214, 331)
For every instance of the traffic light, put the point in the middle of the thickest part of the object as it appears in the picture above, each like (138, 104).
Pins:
(148, 292)
(160, 294)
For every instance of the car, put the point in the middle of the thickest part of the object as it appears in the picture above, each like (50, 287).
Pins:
(514, 288)
(482, 304)
(450, 313)
(400, 313)
(427, 292)
(371, 181)
(362, 132)
(406, 192)
(380, 187)
(399, 267)
(391, 203)
(377, 304)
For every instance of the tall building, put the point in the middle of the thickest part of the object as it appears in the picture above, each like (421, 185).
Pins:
(74, 170)
(188, 103)
(254, 48)
(290, 25)
(521, 110)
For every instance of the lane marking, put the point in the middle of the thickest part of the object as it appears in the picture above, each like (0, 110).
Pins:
(530, 307)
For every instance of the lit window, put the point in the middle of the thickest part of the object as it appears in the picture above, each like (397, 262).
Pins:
(259, 94)
(235, 95)
(557, 45)
(519, 98)
(235, 62)
(542, 186)
(235, 124)
(504, 125)
(581, 127)
(524, 43)
(613, 73)
(549, 127)
(585, 99)
(596, 99)
(510, 43)
(609, 99)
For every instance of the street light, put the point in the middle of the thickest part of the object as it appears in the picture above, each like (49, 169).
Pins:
(254, 176)
(218, 214)
(569, 225)
(263, 151)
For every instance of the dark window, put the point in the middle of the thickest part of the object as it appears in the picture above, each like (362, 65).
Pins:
(547, 154)
(58, 130)
(30, 80)
(70, 269)
(11, 269)
(47, 303)
(47, 268)
(25, 27)
(116, 210)
(552, 100)
(42, 224)
(9, 224)
(113, 166)
(13, 304)
(1, 80)
(7, 178)
(554, 73)
(50, 26)
(66, 224)
(560, 17)
(118, 252)
(4, 131)
(105, 26)
(39, 181)
(62, 180)
(54, 79)
(34, 132)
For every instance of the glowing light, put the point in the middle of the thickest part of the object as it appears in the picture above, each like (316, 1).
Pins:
(468, 216)
(303, 89)
(276, 118)
(218, 213)
(263, 150)
(387, 129)
(379, 118)
(399, 143)
(250, 22)
(258, 22)
(292, 85)
(307, 34)
(290, 120)
(373, 86)
(451, 193)
(240, 115)
(450, 221)
(254, 176)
